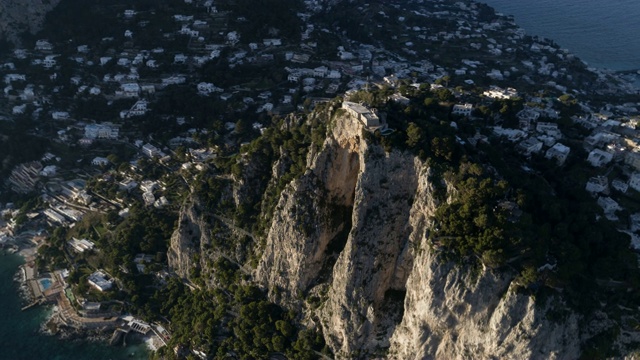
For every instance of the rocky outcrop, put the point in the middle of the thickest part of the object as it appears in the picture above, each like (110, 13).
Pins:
(309, 211)
(18, 16)
(188, 240)
(348, 244)
(382, 285)
(452, 313)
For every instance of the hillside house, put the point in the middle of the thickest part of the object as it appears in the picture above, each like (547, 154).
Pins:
(597, 184)
(598, 158)
(530, 146)
(512, 135)
(151, 151)
(130, 90)
(559, 152)
(634, 181)
(138, 109)
(43, 45)
(100, 161)
(100, 280)
(633, 160)
(101, 131)
(462, 109)
(367, 117)
(609, 206)
(499, 93)
(620, 185)
(205, 88)
(60, 115)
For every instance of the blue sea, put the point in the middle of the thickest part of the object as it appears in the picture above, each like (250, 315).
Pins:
(20, 337)
(605, 34)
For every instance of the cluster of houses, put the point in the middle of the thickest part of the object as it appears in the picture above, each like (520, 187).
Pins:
(136, 76)
(613, 141)
(137, 73)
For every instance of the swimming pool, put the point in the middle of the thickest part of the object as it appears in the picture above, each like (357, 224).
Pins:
(45, 284)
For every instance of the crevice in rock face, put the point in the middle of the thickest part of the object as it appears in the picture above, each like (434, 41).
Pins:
(393, 307)
(342, 216)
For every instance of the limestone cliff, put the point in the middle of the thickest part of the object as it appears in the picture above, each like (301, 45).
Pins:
(17, 16)
(188, 241)
(352, 234)
(348, 246)
(451, 314)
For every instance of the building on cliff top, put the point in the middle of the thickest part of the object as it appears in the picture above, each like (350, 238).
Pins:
(368, 117)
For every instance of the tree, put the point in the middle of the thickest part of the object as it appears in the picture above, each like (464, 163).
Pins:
(414, 135)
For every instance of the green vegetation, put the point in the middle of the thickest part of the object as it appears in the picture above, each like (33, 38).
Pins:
(233, 318)
(473, 224)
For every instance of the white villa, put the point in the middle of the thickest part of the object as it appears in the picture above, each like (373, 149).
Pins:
(367, 117)
(559, 152)
(100, 281)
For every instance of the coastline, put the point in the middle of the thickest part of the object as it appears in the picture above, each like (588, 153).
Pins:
(585, 27)
(54, 323)
(628, 73)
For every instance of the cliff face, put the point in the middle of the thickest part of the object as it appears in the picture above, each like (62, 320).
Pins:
(348, 245)
(188, 241)
(451, 314)
(17, 16)
(310, 210)
(350, 236)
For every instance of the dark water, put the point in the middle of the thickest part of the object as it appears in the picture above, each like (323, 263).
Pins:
(19, 331)
(605, 34)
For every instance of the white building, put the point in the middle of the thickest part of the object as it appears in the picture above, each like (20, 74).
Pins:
(100, 281)
(148, 186)
(528, 114)
(620, 185)
(512, 135)
(81, 245)
(634, 181)
(100, 161)
(530, 146)
(9, 78)
(130, 89)
(547, 127)
(559, 152)
(148, 198)
(608, 205)
(272, 42)
(138, 109)
(151, 151)
(101, 131)
(43, 45)
(60, 115)
(127, 184)
(49, 61)
(500, 93)
(598, 158)
(597, 184)
(462, 109)
(367, 117)
(205, 88)
(174, 80)
(49, 171)
(180, 58)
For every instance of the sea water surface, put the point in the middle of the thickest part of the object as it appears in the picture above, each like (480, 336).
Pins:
(20, 338)
(605, 34)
